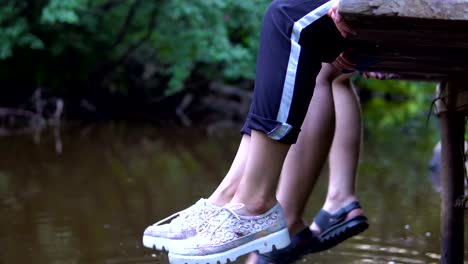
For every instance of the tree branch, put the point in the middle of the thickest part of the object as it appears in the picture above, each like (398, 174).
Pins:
(127, 23)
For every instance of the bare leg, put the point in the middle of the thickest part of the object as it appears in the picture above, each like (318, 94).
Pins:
(306, 158)
(345, 150)
(227, 188)
(257, 187)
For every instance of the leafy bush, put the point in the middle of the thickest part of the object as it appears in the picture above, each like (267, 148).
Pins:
(217, 38)
(394, 102)
(78, 46)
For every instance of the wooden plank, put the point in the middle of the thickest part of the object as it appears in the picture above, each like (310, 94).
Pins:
(422, 63)
(428, 9)
(428, 38)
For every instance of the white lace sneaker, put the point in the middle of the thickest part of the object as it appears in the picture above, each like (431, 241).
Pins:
(165, 235)
(228, 235)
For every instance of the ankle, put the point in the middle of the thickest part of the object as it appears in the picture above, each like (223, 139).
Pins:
(334, 202)
(254, 206)
(221, 197)
(295, 226)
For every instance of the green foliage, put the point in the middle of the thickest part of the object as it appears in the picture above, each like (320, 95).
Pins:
(216, 38)
(61, 11)
(14, 30)
(466, 129)
(221, 35)
(71, 44)
(395, 102)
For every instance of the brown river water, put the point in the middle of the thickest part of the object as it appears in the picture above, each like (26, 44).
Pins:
(91, 203)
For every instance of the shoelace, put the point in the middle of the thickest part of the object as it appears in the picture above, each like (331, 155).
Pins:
(229, 208)
(175, 215)
(183, 213)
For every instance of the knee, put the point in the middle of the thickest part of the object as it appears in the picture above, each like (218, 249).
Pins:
(275, 11)
(343, 80)
(327, 74)
(276, 6)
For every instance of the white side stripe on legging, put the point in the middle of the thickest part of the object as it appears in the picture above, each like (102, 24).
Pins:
(288, 88)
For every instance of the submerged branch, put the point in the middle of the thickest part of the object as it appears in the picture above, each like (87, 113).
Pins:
(46, 113)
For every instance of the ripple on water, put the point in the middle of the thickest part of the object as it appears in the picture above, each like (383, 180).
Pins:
(373, 250)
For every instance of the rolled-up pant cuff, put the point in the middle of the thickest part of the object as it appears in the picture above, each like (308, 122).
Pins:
(281, 132)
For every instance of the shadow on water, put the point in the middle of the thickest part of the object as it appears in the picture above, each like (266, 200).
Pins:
(91, 203)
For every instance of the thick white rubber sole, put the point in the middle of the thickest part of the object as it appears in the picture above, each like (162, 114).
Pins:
(262, 245)
(158, 243)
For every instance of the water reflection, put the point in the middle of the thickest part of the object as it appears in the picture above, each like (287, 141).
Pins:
(91, 203)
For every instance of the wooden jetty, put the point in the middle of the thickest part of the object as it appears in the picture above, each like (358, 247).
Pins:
(424, 40)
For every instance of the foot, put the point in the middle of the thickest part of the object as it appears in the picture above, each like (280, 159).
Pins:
(335, 228)
(302, 244)
(162, 236)
(228, 235)
(309, 241)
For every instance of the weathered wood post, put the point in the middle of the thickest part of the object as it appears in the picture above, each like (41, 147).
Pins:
(449, 107)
